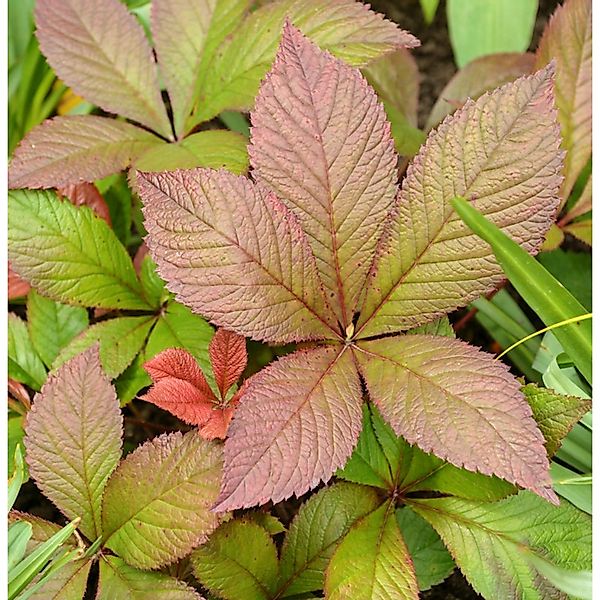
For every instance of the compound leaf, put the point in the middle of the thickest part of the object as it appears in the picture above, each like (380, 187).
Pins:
(492, 543)
(238, 561)
(348, 29)
(430, 557)
(101, 52)
(24, 363)
(156, 505)
(119, 580)
(477, 77)
(74, 257)
(72, 149)
(186, 35)
(321, 142)
(181, 388)
(298, 421)
(232, 252)
(567, 39)
(372, 561)
(502, 153)
(52, 325)
(73, 439)
(214, 149)
(315, 533)
(451, 399)
(120, 340)
(555, 414)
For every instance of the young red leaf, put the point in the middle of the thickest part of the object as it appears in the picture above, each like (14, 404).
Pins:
(502, 153)
(17, 287)
(297, 422)
(100, 50)
(86, 194)
(457, 402)
(228, 357)
(321, 142)
(181, 388)
(232, 252)
(568, 40)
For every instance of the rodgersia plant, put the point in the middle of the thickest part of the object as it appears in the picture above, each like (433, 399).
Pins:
(320, 246)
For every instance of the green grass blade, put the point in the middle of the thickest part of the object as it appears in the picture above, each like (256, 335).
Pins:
(544, 294)
(28, 568)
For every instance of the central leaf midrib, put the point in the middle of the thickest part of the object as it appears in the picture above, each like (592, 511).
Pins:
(332, 230)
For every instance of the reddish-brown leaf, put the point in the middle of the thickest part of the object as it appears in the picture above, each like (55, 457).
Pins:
(86, 194)
(228, 357)
(181, 388)
(17, 287)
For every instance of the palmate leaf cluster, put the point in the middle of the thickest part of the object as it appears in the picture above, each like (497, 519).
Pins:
(318, 246)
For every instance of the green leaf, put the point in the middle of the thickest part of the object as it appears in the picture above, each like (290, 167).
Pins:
(74, 257)
(192, 30)
(24, 364)
(238, 561)
(73, 439)
(414, 470)
(15, 435)
(429, 8)
(368, 464)
(346, 28)
(479, 27)
(17, 477)
(430, 557)
(120, 341)
(19, 534)
(546, 296)
(28, 568)
(52, 325)
(177, 327)
(214, 149)
(555, 414)
(573, 270)
(63, 579)
(578, 584)
(157, 504)
(267, 521)
(152, 285)
(372, 561)
(577, 489)
(492, 543)
(119, 580)
(316, 531)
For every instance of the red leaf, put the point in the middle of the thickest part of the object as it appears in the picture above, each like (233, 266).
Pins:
(138, 259)
(86, 194)
(17, 287)
(228, 357)
(181, 389)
